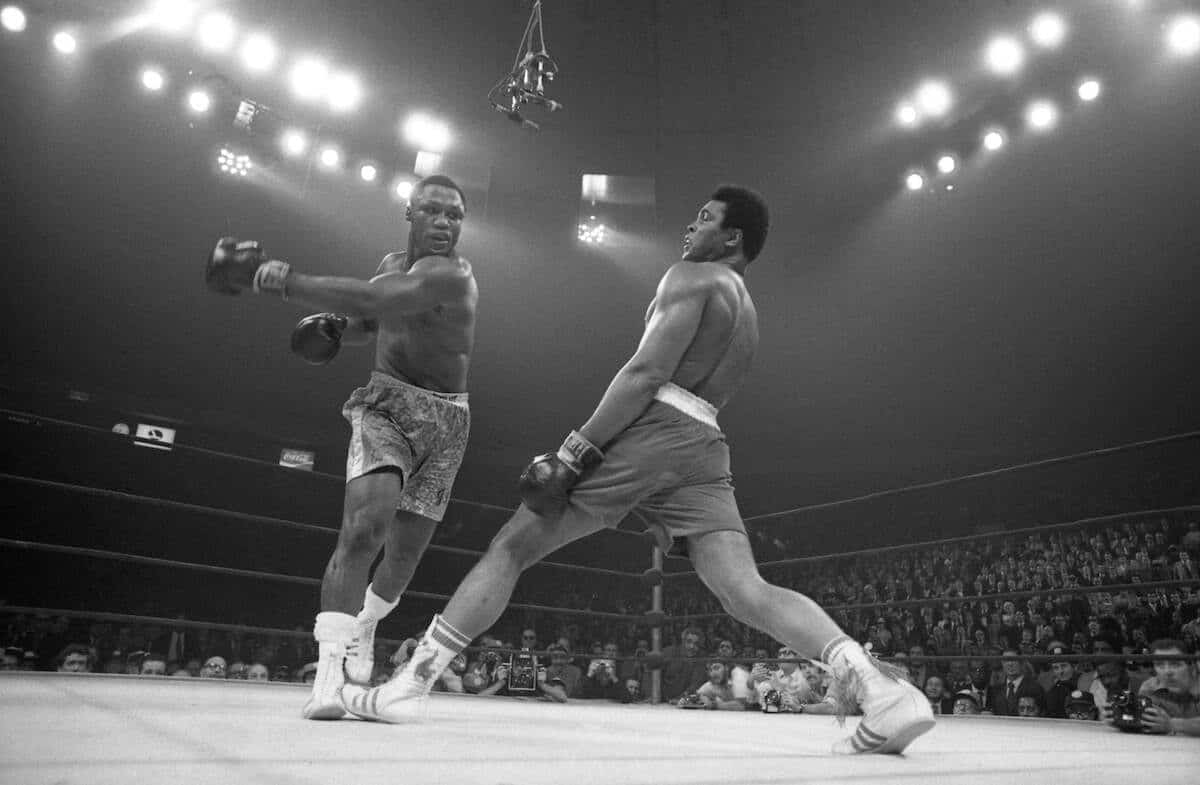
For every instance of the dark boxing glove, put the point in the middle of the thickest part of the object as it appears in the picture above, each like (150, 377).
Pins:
(317, 338)
(236, 265)
(547, 481)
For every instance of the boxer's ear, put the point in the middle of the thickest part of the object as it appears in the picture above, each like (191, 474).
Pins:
(735, 237)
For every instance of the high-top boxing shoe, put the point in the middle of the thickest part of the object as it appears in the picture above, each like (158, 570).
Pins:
(403, 699)
(333, 632)
(894, 711)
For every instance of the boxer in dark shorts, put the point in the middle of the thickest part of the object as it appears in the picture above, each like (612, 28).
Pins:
(409, 425)
(653, 444)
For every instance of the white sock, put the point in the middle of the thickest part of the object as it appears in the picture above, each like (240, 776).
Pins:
(375, 607)
(440, 644)
(845, 653)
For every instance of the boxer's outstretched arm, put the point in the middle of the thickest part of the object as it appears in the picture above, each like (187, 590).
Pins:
(391, 293)
(679, 305)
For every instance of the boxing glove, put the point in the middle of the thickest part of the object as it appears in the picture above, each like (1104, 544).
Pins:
(547, 481)
(236, 265)
(317, 338)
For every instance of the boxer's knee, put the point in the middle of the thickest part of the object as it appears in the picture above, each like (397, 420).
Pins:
(518, 544)
(364, 528)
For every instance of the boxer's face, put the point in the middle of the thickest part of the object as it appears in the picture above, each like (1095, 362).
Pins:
(704, 240)
(436, 214)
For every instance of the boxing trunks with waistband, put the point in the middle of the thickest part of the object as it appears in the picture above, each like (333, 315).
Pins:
(671, 465)
(420, 433)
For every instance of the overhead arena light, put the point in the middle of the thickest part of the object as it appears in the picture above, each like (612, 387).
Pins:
(258, 52)
(914, 181)
(199, 101)
(1004, 55)
(993, 139)
(330, 157)
(592, 231)
(344, 92)
(216, 32)
(946, 164)
(934, 98)
(293, 142)
(152, 79)
(1041, 115)
(907, 115)
(13, 18)
(426, 133)
(64, 42)
(1183, 36)
(368, 172)
(403, 189)
(309, 78)
(1048, 30)
(1089, 89)
(173, 16)
(234, 164)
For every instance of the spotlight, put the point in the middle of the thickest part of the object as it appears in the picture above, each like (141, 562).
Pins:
(1183, 36)
(172, 15)
(293, 142)
(906, 115)
(993, 140)
(309, 78)
(259, 52)
(234, 164)
(403, 189)
(934, 98)
(592, 232)
(330, 157)
(152, 79)
(426, 133)
(1041, 115)
(368, 173)
(1089, 90)
(947, 164)
(344, 92)
(64, 42)
(1048, 29)
(12, 18)
(199, 101)
(1004, 56)
(914, 181)
(216, 32)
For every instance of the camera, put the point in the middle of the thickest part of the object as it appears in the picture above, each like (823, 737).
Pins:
(522, 672)
(1127, 709)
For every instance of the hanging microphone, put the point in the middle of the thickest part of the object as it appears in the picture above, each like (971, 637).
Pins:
(515, 116)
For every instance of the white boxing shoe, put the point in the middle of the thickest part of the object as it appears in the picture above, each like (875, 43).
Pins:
(360, 652)
(325, 702)
(403, 699)
(894, 713)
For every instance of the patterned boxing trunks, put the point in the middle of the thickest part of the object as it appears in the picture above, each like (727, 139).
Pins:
(421, 433)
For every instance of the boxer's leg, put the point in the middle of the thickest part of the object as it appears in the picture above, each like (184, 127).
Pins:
(368, 510)
(894, 711)
(405, 542)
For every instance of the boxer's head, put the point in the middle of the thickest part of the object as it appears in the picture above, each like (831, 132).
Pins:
(435, 209)
(732, 222)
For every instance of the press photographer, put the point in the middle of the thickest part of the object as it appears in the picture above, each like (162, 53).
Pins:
(1168, 702)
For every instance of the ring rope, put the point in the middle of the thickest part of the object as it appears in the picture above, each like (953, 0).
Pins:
(964, 538)
(958, 600)
(155, 561)
(978, 475)
(171, 504)
(161, 621)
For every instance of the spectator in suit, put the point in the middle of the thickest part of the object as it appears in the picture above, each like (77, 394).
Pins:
(1065, 682)
(939, 699)
(679, 677)
(1018, 682)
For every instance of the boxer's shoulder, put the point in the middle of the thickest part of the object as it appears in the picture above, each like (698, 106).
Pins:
(692, 279)
(396, 261)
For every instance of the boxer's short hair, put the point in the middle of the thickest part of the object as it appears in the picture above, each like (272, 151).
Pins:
(442, 180)
(746, 210)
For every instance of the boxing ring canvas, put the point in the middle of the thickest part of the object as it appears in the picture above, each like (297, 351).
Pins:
(99, 729)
